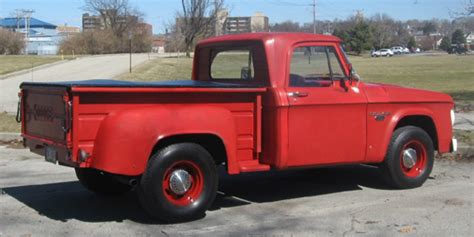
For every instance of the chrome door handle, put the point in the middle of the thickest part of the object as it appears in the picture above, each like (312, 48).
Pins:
(298, 94)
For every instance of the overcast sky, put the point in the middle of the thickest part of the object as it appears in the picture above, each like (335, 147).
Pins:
(159, 12)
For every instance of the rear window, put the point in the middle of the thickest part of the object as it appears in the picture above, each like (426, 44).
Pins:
(233, 64)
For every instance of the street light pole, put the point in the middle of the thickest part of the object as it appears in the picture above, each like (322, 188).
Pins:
(314, 16)
(130, 47)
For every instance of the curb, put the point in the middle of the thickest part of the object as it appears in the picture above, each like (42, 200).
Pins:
(465, 150)
(28, 70)
(10, 136)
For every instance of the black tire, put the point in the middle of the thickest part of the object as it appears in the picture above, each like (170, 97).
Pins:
(155, 192)
(394, 170)
(101, 183)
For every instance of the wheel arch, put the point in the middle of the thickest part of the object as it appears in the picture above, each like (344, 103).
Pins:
(211, 142)
(424, 122)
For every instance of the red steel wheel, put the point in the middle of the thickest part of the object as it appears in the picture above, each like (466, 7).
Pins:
(179, 183)
(409, 159)
(183, 183)
(413, 159)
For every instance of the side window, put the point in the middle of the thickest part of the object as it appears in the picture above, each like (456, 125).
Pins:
(233, 64)
(314, 66)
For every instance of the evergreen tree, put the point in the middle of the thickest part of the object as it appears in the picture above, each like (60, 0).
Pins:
(411, 43)
(360, 37)
(458, 37)
(445, 43)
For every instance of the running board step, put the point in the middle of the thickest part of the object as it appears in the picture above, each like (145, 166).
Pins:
(252, 166)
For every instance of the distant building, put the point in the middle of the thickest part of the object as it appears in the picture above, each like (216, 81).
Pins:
(246, 24)
(90, 22)
(428, 42)
(42, 38)
(67, 30)
(159, 43)
(226, 24)
(94, 22)
(470, 40)
(145, 29)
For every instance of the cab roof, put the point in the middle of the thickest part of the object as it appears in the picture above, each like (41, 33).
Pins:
(264, 37)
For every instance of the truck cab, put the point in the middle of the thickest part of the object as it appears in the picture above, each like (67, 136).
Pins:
(256, 102)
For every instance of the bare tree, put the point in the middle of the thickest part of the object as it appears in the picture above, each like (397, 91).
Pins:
(10, 42)
(116, 15)
(468, 10)
(197, 18)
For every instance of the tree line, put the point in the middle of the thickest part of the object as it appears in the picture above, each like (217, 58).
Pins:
(361, 33)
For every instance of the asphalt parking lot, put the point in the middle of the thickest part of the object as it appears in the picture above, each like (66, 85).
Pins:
(41, 199)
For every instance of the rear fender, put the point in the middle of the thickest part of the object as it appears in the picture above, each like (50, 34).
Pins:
(126, 139)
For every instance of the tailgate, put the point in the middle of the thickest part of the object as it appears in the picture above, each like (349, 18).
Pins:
(46, 113)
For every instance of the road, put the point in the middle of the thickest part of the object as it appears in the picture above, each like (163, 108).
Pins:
(41, 199)
(84, 68)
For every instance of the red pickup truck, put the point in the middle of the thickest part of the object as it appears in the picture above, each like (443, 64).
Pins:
(256, 102)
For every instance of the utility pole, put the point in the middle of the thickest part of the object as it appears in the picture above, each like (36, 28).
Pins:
(22, 13)
(314, 16)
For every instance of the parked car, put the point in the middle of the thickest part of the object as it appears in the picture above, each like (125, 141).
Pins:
(256, 102)
(382, 53)
(457, 49)
(397, 50)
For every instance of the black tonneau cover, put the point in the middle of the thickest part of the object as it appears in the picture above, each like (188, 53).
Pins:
(162, 84)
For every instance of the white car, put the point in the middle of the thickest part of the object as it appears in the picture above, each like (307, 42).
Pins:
(397, 50)
(382, 53)
(400, 50)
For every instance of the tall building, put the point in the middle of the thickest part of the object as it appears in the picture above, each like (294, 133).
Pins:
(246, 24)
(94, 22)
(226, 24)
(91, 22)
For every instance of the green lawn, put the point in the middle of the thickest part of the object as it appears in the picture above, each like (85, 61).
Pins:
(12, 63)
(161, 69)
(8, 123)
(451, 74)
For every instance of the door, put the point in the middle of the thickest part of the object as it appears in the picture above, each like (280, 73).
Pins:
(327, 122)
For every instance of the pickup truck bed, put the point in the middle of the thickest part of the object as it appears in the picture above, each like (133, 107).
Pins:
(68, 118)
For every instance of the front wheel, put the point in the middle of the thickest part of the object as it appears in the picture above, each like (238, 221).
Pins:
(409, 159)
(179, 184)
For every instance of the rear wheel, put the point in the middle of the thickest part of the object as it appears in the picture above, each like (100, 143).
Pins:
(409, 159)
(179, 184)
(100, 183)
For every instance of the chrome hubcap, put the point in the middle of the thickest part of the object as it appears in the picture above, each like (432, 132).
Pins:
(409, 158)
(180, 181)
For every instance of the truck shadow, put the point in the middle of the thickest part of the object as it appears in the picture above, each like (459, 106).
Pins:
(69, 200)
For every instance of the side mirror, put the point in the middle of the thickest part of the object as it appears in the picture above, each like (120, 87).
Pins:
(353, 76)
(245, 73)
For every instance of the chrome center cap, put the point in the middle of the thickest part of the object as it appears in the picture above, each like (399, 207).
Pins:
(409, 158)
(180, 181)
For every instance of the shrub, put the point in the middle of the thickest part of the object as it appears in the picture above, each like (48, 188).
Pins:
(11, 42)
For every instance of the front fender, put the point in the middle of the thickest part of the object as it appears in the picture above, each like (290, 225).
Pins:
(126, 139)
(380, 133)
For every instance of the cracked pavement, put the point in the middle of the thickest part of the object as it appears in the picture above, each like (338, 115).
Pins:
(41, 199)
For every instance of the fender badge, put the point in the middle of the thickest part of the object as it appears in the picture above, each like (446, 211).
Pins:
(379, 116)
